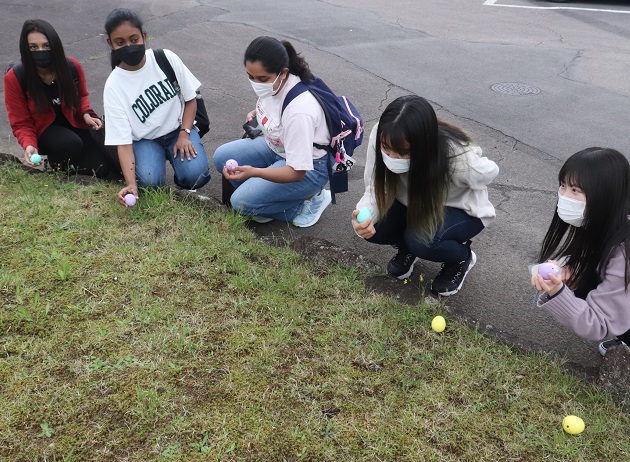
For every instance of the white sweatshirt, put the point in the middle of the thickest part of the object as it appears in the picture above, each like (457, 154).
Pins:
(470, 175)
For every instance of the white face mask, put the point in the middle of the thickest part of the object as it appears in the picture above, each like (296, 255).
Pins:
(571, 211)
(264, 90)
(396, 165)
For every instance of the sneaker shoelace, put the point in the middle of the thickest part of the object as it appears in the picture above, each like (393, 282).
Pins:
(403, 257)
(305, 208)
(310, 205)
(454, 271)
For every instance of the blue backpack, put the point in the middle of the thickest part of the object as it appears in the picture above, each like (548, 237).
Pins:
(344, 124)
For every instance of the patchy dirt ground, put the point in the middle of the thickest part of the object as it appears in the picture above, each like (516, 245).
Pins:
(613, 375)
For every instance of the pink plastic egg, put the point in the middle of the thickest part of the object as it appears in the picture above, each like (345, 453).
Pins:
(130, 200)
(230, 164)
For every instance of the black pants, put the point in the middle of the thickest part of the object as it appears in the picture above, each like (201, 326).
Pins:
(625, 338)
(67, 146)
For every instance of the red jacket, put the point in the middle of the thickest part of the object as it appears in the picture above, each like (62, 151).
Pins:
(28, 124)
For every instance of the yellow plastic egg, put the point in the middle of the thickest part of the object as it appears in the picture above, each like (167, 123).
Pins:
(573, 425)
(438, 324)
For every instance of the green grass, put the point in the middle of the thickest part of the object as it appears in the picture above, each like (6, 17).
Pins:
(166, 332)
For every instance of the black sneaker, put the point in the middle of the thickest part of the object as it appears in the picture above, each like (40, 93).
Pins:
(401, 266)
(606, 344)
(451, 277)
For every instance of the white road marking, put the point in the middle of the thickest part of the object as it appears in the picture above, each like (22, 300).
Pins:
(494, 3)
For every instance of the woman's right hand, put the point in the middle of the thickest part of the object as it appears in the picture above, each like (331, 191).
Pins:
(554, 283)
(552, 286)
(239, 173)
(93, 122)
(366, 229)
(132, 189)
(250, 115)
(28, 152)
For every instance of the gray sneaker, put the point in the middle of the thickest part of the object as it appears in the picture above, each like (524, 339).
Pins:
(312, 209)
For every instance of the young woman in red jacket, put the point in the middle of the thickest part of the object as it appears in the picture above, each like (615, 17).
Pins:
(48, 106)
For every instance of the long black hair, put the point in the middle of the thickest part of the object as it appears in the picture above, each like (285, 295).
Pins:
(410, 126)
(276, 56)
(117, 17)
(63, 76)
(603, 175)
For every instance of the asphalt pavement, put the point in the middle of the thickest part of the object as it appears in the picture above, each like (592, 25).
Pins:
(531, 81)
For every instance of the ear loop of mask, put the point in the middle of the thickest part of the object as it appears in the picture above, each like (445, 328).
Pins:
(280, 85)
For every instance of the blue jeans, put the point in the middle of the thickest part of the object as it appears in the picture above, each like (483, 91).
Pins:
(256, 196)
(150, 157)
(448, 245)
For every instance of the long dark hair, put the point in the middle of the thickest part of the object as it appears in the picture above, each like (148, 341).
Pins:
(67, 89)
(276, 56)
(604, 177)
(409, 125)
(117, 17)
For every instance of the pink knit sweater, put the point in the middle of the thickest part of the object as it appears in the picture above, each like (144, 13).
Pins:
(606, 310)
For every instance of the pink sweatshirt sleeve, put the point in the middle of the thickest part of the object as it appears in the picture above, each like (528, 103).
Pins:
(606, 310)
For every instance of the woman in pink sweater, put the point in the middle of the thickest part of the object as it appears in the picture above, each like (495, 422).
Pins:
(590, 233)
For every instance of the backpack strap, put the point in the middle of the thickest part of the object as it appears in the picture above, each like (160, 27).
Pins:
(165, 65)
(18, 70)
(202, 121)
(296, 91)
(293, 93)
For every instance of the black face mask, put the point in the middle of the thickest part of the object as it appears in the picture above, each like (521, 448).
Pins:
(131, 55)
(42, 58)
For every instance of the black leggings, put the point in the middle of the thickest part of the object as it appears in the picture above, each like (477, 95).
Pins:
(67, 146)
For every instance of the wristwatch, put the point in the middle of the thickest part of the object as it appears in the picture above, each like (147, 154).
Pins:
(187, 130)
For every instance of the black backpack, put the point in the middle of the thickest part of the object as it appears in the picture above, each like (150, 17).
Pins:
(18, 69)
(201, 117)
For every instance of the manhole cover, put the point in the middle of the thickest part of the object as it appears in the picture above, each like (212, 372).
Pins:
(515, 89)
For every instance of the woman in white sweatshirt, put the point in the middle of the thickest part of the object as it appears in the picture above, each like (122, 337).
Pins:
(426, 192)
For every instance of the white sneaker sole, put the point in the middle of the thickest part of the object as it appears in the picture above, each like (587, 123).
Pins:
(453, 292)
(408, 273)
(261, 220)
(325, 204)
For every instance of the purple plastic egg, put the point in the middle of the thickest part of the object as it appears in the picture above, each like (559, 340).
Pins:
(230, 164)
(545, 269)
(130, 200)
